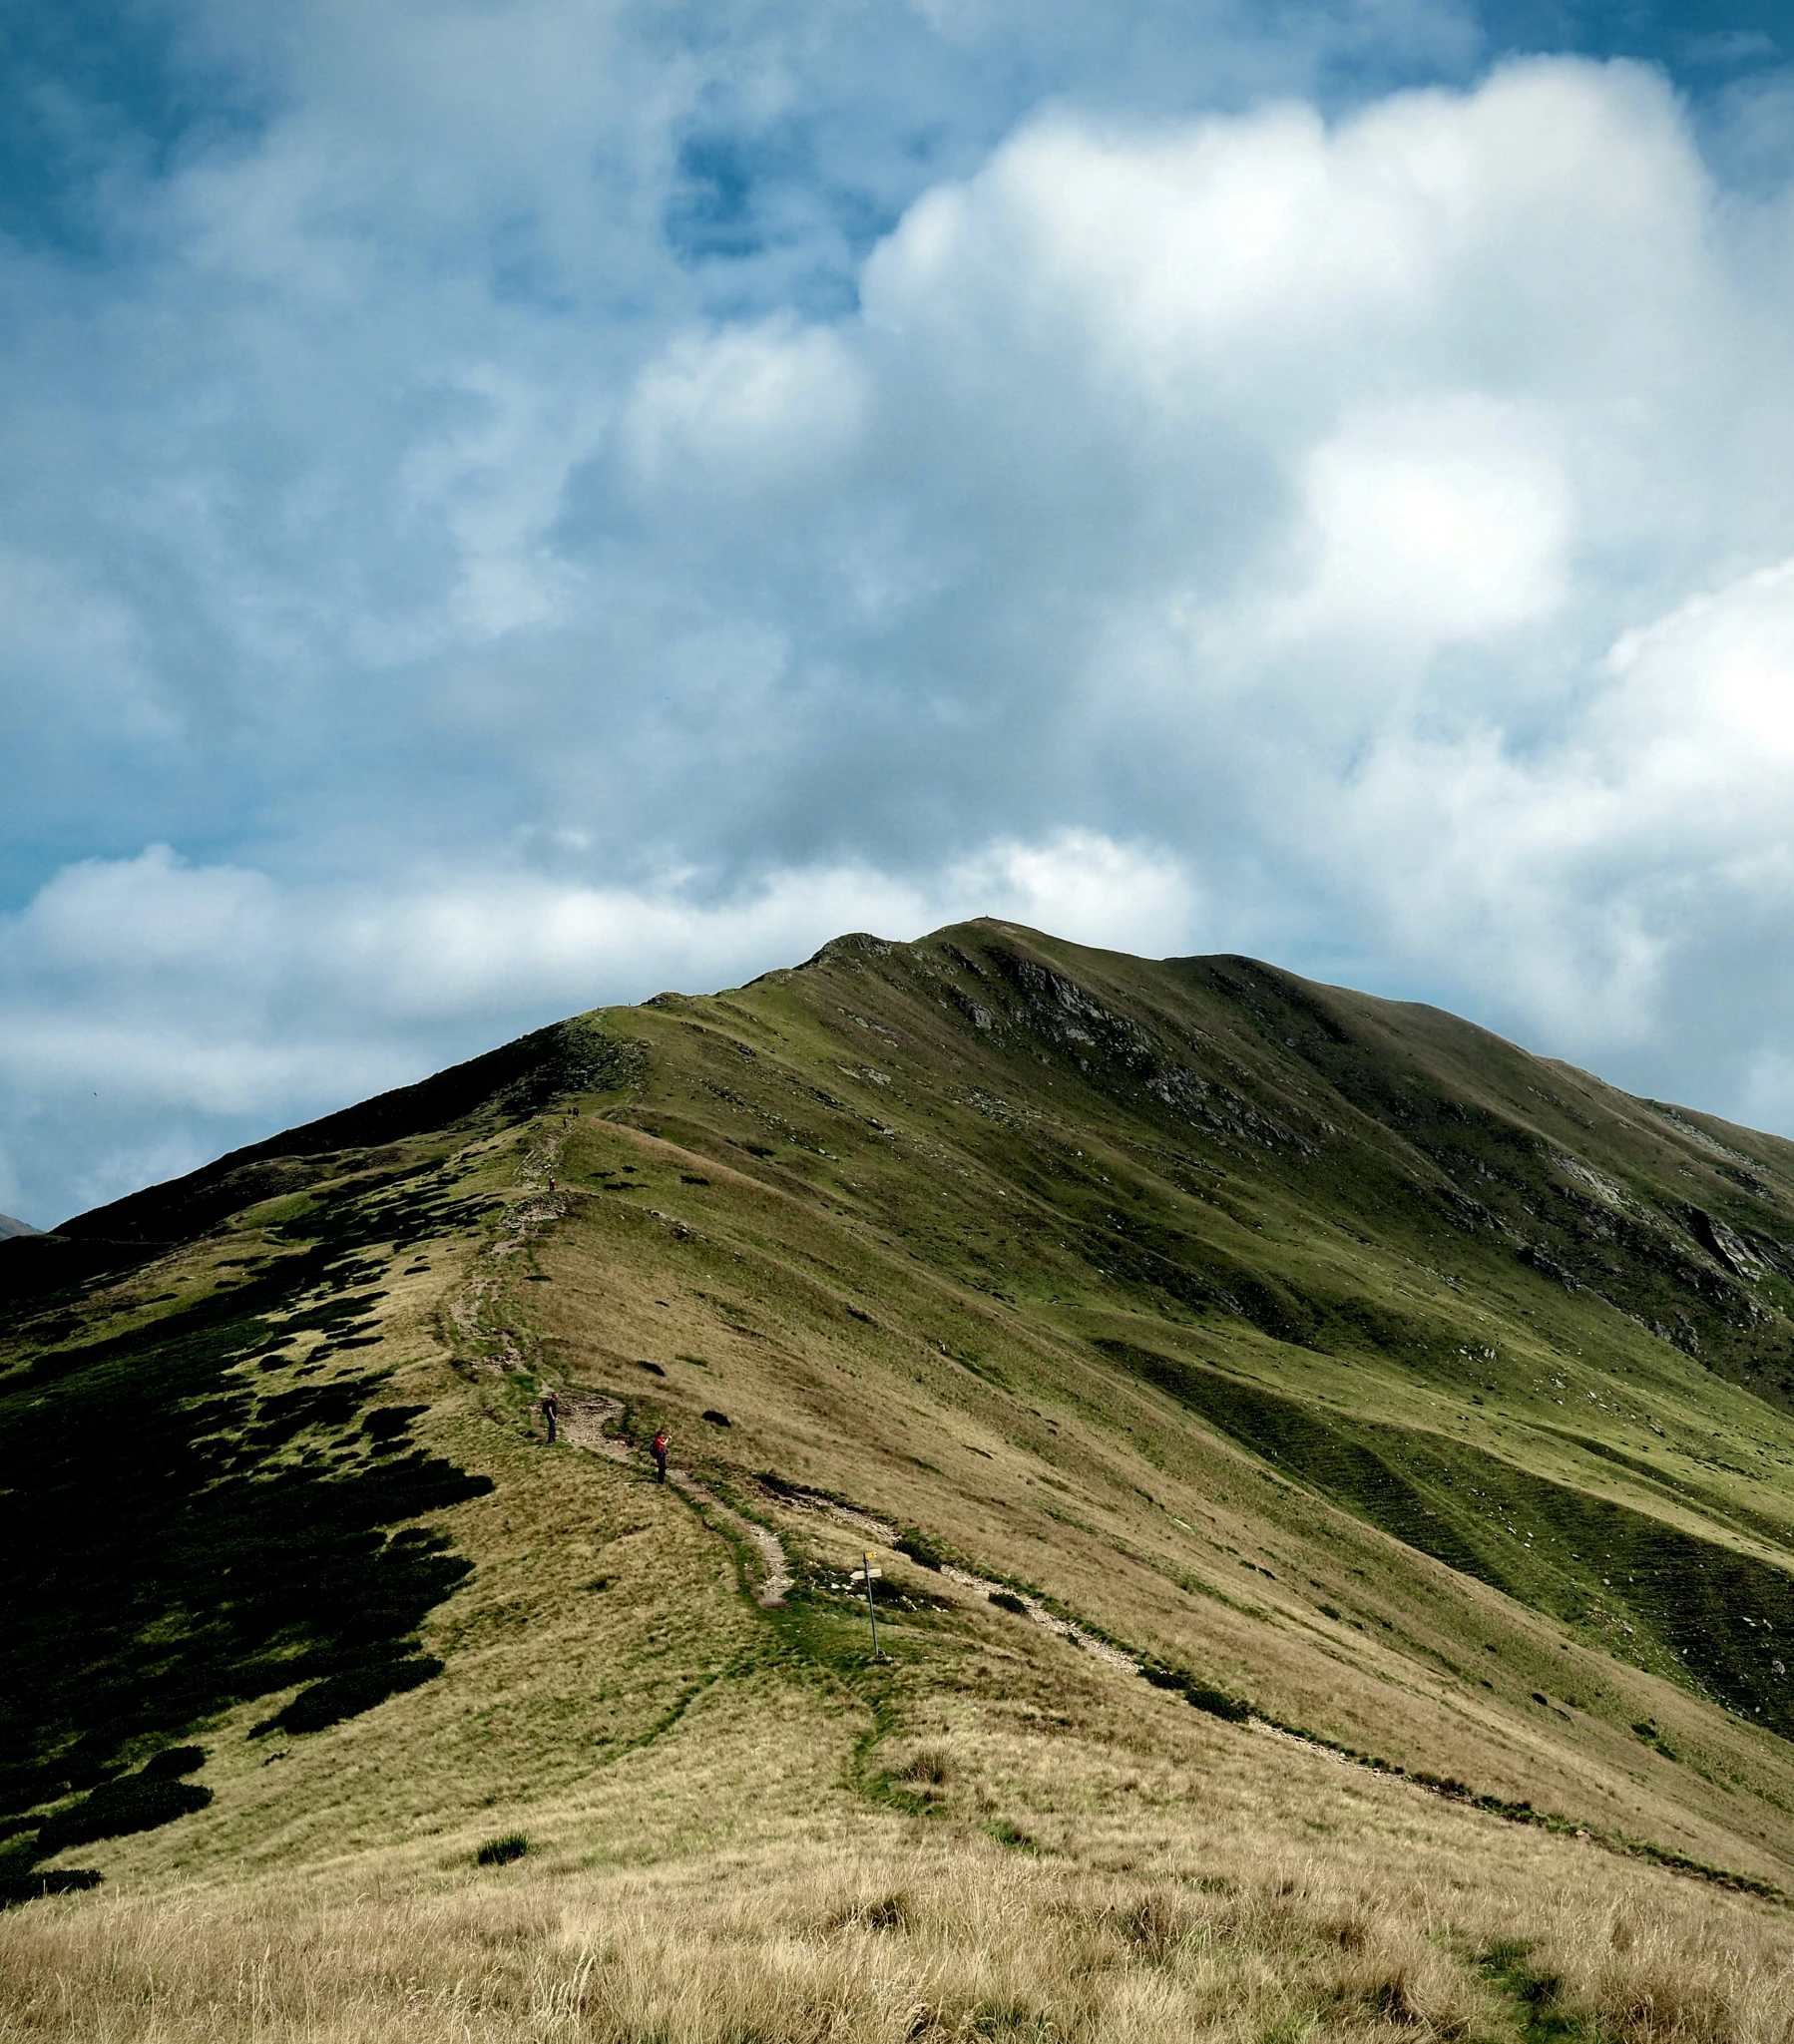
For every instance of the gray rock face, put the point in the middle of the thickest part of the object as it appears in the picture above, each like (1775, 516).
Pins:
(9, 1228)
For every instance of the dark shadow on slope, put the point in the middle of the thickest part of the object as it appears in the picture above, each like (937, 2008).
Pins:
(38, 1267)
(186, 1532)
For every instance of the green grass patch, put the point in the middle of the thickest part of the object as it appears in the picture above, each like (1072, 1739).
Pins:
(1708, 1615)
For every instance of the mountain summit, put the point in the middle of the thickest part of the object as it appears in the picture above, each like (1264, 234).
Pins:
(1310, 1464)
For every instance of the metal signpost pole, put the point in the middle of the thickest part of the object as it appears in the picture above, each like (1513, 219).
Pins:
(867, 1573)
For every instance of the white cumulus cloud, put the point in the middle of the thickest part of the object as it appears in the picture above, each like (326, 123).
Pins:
(545, 506)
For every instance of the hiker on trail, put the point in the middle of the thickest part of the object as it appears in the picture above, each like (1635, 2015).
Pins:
(662, 1442)
(551, 1407)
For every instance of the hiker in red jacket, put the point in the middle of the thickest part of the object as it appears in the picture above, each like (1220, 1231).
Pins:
(662, 1442)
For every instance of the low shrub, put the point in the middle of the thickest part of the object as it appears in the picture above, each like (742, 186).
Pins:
(388, 1422)
(349, 1694)
(501, 1851)
(920, 1550)
(21, 1787)
(1217, 1702)
(174, 1762)
(928, 1764)
(137, 1803)
(24, 1886)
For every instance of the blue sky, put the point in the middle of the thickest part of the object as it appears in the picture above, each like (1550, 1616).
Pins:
(512, 504)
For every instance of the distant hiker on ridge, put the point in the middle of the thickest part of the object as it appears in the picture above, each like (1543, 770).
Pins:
(551, 1407)
(661, 1443)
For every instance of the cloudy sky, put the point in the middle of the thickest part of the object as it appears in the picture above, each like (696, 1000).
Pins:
(509, 505)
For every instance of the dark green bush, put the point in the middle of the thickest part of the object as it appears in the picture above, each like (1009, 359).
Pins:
(1217, 1702)
(21, 1787)
(27, 1887)
(921, 1550)
(139, 1803)
(349, 1694)
(173, 1762)
(387, 1423)
(1007, 1600)
(501, 1851)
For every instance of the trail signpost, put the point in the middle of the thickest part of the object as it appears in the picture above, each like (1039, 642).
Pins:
(867, 1574)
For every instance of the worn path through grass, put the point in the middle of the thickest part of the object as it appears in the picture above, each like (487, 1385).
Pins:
(1405, 1407)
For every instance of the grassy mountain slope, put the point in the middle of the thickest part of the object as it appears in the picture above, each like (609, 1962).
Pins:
(1320, 1353)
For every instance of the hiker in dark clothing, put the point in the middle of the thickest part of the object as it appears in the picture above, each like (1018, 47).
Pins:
(662, 1442)
(551, 1407)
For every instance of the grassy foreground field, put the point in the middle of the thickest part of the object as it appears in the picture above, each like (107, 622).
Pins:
(1330, 1473)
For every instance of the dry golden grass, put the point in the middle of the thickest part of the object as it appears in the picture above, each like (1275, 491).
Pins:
(944, 1938)
(1072, 1480)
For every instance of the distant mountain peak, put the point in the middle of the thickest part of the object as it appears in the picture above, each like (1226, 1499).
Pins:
(9, 1228)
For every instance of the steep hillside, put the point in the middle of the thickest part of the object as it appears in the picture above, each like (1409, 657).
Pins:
(1415, 1414)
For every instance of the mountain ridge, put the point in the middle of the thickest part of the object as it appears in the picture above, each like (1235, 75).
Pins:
(1341, 1365)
